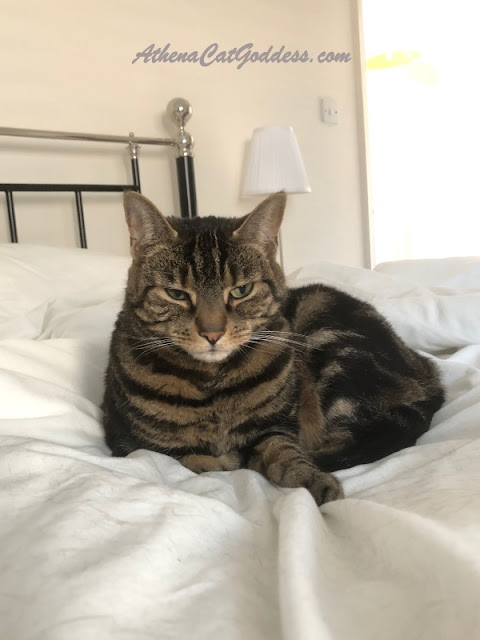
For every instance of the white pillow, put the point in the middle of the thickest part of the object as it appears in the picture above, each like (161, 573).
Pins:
(38, 284)
(462, 273)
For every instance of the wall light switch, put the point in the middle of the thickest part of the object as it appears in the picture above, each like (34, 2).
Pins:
(329, 111)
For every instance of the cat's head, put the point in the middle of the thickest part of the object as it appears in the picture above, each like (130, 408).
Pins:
(207, 285)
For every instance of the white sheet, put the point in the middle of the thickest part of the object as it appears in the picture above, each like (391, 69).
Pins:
(139, 547)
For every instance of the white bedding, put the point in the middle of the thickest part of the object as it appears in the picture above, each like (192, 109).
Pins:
(140, 547)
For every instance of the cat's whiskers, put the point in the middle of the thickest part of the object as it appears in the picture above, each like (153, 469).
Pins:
(154, 347)
(151, 344)
(283, 333)
(271, 337)
(281, 339)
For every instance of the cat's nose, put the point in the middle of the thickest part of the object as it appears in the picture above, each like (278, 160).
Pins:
(212, 336)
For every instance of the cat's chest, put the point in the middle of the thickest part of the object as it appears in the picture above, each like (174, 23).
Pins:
(211, 421)
(201, 404)
(222, 412)
(189, 412)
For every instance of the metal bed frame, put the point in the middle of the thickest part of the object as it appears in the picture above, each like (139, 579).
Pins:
(178, 109)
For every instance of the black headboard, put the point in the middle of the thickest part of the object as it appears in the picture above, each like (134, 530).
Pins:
(179, 111)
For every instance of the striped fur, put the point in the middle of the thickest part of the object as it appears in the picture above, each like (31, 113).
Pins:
(293, 384)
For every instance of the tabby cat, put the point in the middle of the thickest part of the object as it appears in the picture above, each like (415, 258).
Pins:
(215, 362)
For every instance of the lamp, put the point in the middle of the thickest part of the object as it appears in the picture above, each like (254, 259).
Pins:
(275, 164)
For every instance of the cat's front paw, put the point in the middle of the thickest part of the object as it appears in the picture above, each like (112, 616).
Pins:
(202, 463)
(324, 487)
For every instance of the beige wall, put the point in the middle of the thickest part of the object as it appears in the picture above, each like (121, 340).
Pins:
(67, 65)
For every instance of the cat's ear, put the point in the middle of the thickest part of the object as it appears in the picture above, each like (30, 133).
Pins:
(262, 225)
(147, 226)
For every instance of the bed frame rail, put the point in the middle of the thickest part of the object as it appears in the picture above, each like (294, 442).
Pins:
(178, 109)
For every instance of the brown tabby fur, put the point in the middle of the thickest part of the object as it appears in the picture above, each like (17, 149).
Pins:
(291, 383)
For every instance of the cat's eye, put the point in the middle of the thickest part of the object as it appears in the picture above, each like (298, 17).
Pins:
(177, 294)
(242, 291)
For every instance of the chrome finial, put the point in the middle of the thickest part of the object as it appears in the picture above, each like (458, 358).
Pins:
(133, 147)
(179, 111)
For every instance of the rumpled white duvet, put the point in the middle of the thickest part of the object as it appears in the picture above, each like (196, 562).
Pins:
(94, 547)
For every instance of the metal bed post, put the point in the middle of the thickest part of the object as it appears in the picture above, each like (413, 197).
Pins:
(133, 148)
(12, 223)
(81, 219)
(180, 110)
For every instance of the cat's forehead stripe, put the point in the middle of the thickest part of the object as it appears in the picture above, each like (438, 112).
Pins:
(206, 260)
(194, 257)
(216, 256)
(223, 252)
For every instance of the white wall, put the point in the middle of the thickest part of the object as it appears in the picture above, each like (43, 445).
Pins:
(66, 65)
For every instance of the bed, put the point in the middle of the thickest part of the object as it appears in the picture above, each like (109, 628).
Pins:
(140, 547)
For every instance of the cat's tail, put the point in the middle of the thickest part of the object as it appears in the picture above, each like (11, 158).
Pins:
(380, 436)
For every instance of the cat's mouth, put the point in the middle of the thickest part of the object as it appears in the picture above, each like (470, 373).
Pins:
(213, 355)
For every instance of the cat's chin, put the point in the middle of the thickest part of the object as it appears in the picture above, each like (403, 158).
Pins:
(211, 356)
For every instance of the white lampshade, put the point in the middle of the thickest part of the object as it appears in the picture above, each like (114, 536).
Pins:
(275, 163)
